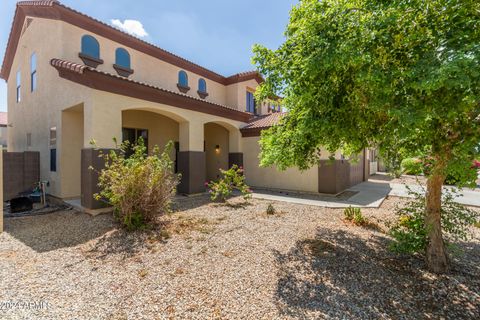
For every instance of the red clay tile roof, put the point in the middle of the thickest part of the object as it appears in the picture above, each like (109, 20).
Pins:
(3, 119)
(203, 105)
(256, 125)
(56, 10)
(265, 121)
(244, 76)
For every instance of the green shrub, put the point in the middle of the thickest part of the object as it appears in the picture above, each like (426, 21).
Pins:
(358, 218)
(465, 175)
(349, 213)
(271, 209)
(410, 232)
(232, 179)
(354, 215)
(140, 186)
(412, 166)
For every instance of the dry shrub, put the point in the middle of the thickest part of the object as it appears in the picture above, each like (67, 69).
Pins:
(140, 187)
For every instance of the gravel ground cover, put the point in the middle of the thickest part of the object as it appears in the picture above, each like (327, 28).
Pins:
(211, 261)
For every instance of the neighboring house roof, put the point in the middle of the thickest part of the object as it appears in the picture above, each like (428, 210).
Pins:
(105, 81)
(57, 11)
(256, 125)
(3, 119)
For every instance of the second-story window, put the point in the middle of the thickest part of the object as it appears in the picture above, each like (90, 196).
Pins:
(183, 81)
(251, 107)
(33, 72)
(19, 86)
(90, 51)
(202, 88)
(122, 58)
(122, 62)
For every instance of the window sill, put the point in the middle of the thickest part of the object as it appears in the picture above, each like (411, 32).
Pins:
(202, 94)
(122, 71)
(90, 61)
(182, 89)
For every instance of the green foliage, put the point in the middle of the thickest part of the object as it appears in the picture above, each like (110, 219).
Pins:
(232, 179)
(402, 75)
(349, 212)
(358, 218)
(462, 174)
(139, 187)
(271, 209)
(410, 232)
(354, 215)
(413, 166)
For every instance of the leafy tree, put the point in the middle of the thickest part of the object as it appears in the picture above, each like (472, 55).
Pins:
(401, 74)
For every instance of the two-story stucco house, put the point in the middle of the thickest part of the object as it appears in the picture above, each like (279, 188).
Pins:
(72, 79)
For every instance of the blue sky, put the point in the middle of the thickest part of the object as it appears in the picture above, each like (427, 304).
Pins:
(217, 34)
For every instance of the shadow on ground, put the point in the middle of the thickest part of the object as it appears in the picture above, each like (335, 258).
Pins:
(340, 275)
(58, 230)
(182, 203)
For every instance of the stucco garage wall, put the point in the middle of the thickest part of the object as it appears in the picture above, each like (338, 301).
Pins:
(290, 179)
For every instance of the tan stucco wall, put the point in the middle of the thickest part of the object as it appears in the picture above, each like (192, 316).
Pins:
(109, 107)
(161, 129)
(40, 110)
(70, 151)
(1, 191)
(290, 179)
(237, 94)
(3, 136)
(216, 160)
(152, 70)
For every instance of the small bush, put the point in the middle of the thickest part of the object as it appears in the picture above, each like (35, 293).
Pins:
(232, 179)
(412, 166)
(271, 209)
(139, 187)
(464, 175)
(410, 232)
(355, 216)
(349, 213)
(358, 218)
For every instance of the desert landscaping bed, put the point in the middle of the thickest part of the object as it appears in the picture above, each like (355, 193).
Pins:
(211, 261)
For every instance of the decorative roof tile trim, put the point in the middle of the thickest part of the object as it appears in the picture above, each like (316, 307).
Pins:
(55, 10)
(72, 66)
(256, 125)
(37, 3)
(104, 81)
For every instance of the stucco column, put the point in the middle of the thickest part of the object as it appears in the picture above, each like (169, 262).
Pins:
(102, 123)
(235, 154)
(191, 158)
(234, 141)
(191, 136)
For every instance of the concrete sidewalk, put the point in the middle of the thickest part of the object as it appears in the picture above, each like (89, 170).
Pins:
(369, 194)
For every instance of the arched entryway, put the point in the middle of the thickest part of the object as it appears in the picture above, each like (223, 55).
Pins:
(155, 129)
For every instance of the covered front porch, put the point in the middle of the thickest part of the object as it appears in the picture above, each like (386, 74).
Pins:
(203, 143)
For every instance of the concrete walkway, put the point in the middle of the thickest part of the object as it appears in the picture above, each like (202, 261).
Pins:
(369, 194)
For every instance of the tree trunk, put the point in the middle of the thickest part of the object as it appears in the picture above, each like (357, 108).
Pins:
(436, 255)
